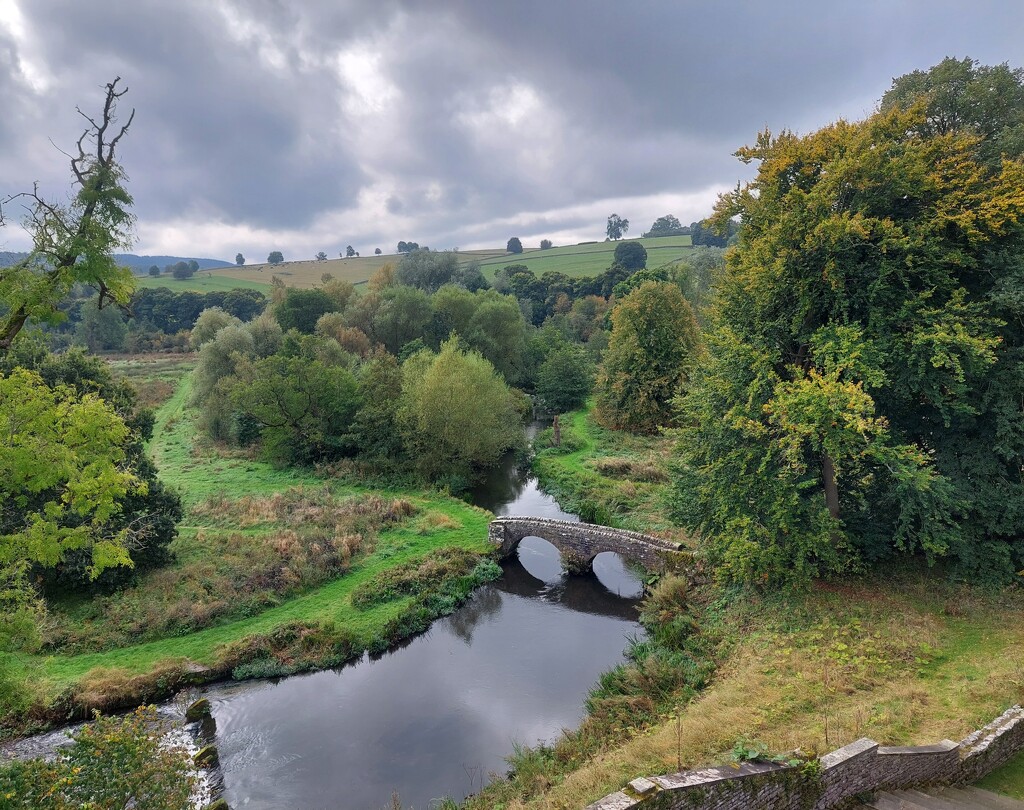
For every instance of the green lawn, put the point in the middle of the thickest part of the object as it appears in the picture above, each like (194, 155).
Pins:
(1008, 780)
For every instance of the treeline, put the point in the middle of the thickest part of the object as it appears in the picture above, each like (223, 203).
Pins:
(431, 370)
(156, 319)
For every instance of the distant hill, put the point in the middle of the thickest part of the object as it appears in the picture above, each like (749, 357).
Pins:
(138, 264)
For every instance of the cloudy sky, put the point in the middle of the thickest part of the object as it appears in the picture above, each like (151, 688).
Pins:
(307, 125)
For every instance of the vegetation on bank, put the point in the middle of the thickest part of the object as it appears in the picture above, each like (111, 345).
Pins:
(607, 477)
(249, 592)
(903, 659)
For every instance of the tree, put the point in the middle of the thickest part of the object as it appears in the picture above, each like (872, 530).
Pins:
(321, 256)
(617, 227)
(301, 309)
(514, 245)
(61, 466)
(565, 378)
(963, 96)
(667, 225)
(154, 270)
(545, 244)
(182, 271)
(101, 329)
(376, 252)
(863, 387)
(407, 247)
(631, 255)
(304, 408)
(208, 324)
(73, 244)
(350, 252)
(147, 516)
(456, 414)
(275, 257)
(652, 346)
(427, 271)
(193, 265)
(239, 259)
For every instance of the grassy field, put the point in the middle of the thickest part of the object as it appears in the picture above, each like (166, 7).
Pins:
(204, 475)
(585, 261)
(578, 261)
(204, 281)
(907, 660)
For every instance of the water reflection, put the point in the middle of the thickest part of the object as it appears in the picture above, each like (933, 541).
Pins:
(513, 665)
(435, 717)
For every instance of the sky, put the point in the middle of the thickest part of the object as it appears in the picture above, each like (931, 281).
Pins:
(309, 125)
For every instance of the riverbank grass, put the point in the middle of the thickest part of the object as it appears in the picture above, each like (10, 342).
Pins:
(608, 477)
(240, 513)
(907, 660)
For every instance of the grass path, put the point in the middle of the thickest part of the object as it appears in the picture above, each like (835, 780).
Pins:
(200, 475)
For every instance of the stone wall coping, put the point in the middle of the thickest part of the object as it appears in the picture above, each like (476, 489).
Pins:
(989, 732)
(717, 773)
(857, 748)
(614, 801)
(941, 747)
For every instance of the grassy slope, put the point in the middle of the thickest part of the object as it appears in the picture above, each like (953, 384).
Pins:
(204, 281)
(578, 261)
(573, 477)
(905, 661)
(582, 261)
(201, 476)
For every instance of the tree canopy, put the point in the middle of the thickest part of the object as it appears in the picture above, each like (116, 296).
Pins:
(456, 413)
(616, 227)
(862, 392)
(654, 336)
(631, 255)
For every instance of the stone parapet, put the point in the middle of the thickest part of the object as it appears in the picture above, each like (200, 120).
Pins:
(580, 543)
(831, 782)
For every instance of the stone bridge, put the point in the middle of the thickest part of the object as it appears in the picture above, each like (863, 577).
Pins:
(580, 543)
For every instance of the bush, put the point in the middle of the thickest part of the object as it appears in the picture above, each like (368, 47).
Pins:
(113, 762)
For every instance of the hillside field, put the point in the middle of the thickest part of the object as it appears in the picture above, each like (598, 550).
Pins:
(578, 261)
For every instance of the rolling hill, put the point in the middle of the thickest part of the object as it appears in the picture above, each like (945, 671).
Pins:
(579, 261)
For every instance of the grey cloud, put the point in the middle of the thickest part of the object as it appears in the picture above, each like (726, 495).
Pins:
(246, 122)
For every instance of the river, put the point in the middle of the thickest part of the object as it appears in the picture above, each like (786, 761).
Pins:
(438, 715)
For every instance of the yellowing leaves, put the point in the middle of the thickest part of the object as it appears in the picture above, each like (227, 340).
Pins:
(61, 472)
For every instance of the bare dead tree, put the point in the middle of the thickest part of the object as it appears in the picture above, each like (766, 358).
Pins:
(73, 243)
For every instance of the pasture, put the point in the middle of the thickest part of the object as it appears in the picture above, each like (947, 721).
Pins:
(578, 261)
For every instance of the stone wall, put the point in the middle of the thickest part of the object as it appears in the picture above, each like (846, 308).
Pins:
(580, 543)
(860, 767)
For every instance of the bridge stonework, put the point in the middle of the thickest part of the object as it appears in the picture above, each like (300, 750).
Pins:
(580, 543)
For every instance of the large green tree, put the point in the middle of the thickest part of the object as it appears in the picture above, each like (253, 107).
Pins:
(863, 386)
(73, 243)
(456, 414)
(652, 345)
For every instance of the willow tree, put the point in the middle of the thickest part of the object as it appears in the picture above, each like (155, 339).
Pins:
(73, 243)
(863, 388)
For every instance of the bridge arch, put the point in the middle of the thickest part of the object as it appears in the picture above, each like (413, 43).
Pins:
(580, 543)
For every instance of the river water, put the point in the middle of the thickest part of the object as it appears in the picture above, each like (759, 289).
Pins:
(438, 715)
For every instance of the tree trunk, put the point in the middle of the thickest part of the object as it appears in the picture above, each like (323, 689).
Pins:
(556, 432)
(828, 477)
